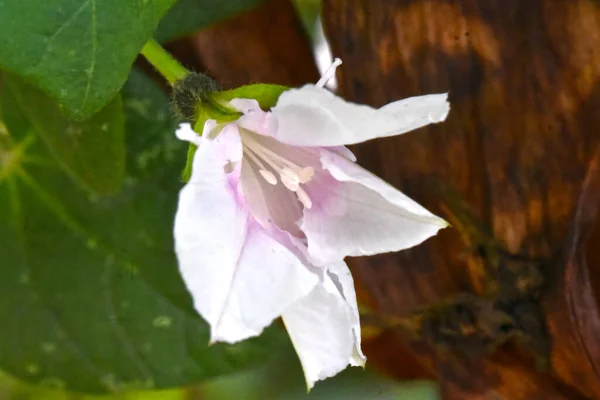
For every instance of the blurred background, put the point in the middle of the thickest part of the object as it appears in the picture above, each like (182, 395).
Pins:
(503, 305)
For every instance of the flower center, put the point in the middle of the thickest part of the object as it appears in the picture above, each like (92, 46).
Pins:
(271, 165)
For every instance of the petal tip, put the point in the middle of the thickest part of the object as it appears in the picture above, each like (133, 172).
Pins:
(213, 339)
(444, 224)
(441, 114)
(185, 133)
(309, 385)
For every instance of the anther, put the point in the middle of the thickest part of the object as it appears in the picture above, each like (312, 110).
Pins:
(306, 174)
(269, 176)
(290, 179)
(303, 197)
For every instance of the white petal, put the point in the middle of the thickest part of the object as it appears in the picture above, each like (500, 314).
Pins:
(343, 151)
(186, 133)
(245, 105)
(361, 214)
(313, 116)
(321, 329)
(210, 225)
(342, 277)
(268, 278)
(254, 119)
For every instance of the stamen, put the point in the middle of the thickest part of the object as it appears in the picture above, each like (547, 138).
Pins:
(290, 174)
(254, 157)
(266, 174)
(306, 174)
(289, 178)
(269, 176)
(256, 149)
(303, 197)
(268, 153)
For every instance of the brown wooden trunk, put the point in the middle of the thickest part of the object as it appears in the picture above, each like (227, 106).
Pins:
(523, 84)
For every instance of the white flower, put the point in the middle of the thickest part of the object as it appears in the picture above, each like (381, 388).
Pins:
(274, 204)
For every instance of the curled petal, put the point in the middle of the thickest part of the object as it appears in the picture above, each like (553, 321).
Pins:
(313, 116)
(321, 329)
(186, 133)
(359, 214)
(342, 278)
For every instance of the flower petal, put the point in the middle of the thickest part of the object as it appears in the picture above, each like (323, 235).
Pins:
(254, 119)
(342, 277)
(210, 224)
(355, 213)
(321, 329)
(268, 278)
(313, 116)
(245, 105)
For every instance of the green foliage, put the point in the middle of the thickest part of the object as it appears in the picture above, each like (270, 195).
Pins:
(188, 16)
(92, 151)
(279, 379)
(282, 379)
(90, 288)
(78, 51)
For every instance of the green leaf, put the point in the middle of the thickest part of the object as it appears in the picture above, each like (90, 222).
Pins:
(92, 151)
(91, 297)
(78, 51)
(188, 16)
(282, 379)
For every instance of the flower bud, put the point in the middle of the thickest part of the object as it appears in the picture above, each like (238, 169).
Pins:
(192, 92)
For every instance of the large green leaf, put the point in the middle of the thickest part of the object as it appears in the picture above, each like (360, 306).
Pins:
(188, 16)
(91, 297)
(92, 151)
(78, 51)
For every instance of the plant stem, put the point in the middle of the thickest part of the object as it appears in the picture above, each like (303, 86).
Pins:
(164, 62)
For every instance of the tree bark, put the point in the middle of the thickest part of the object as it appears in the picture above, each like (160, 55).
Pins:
(523, 83)
(267, 44)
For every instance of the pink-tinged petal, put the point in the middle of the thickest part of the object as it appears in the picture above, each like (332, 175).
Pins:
(270, 205)
(268, 279)
(355, 213)
(342, 278)
(245, 105)
(254, 119)
(321, 329)
(186, 133)
(210, 224)
(344, 152)
(313, 116)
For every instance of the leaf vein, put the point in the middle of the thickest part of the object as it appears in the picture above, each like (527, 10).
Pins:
(90, 71)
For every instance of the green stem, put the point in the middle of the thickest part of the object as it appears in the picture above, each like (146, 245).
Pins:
(164, 62)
